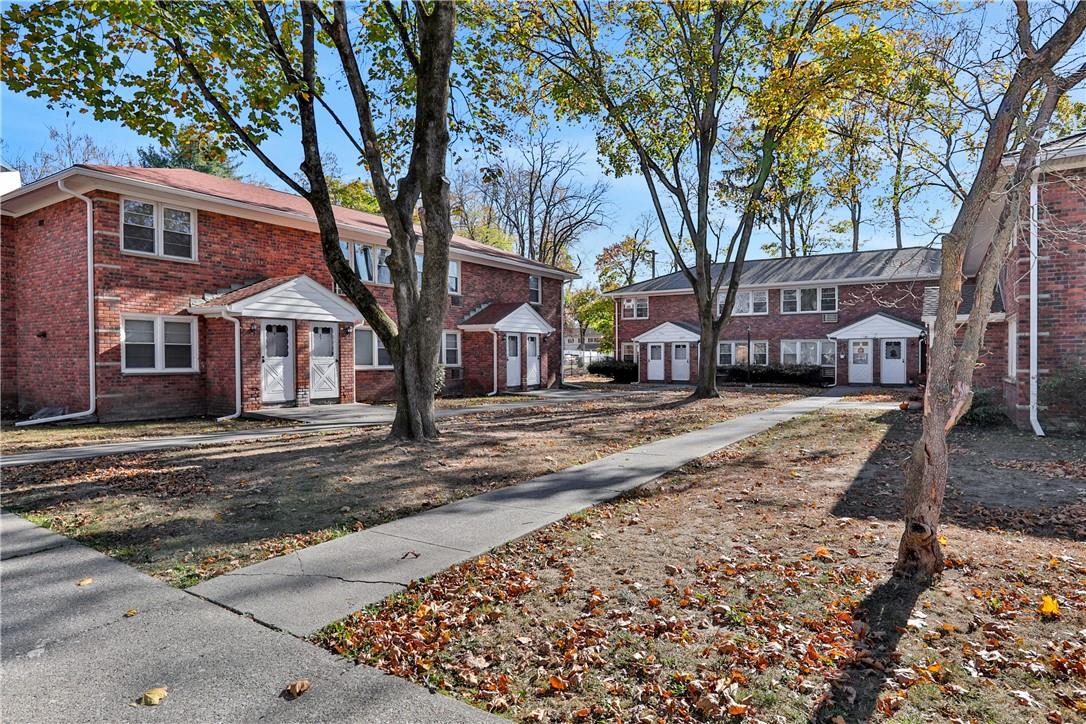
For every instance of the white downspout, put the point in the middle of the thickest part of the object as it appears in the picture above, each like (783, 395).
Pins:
(93, 393)
(237, 369)
(562, 334)
(1033, 336)
(495, 390)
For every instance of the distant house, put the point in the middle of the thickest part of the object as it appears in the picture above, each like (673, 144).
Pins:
(865, 317)
(140, 293)
(572, 342)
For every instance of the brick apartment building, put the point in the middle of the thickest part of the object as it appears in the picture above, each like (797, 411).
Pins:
(865, 317)
(135, 293)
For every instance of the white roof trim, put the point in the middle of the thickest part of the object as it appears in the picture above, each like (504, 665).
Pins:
(667, 332)
(299, 298)
(619, 294)
(878, 325)
(522, 319)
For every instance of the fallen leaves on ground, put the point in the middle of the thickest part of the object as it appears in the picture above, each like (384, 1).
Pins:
(152, 697)
(296, 688)
(726, 592)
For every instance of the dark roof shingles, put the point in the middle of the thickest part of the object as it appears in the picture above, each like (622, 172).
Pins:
(874, 265)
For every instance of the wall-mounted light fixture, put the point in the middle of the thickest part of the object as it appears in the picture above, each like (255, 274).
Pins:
(252, 327)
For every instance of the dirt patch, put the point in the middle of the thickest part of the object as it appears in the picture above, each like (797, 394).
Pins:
(187, 515)
(737, 588)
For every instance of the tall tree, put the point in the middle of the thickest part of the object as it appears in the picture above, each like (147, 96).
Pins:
(191, 149)
(540, 201)
(1032, 91)
(621, 263)
(660, 80)
(473, 213)
(65, 148)
(248, 70)
(588, 309)
(853, 163)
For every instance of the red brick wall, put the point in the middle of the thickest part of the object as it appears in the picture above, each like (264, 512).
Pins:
(1061, 276)
(48, 261)
(9, 358)
(901, 299)
(49, 248)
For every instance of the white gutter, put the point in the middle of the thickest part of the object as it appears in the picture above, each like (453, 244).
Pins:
(91, 388)
(495, 390)
(1033, 336)
(237, 370)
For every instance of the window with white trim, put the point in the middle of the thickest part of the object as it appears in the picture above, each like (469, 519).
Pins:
(156, 229)
(359, 257)
(158, 344)
(748, 303)
(635, 308)
(735, 353)
(809, 352)
(454, 276)
(450, 349)
(807, 300)
(369, 351)
(418, 270)
(535, 289)
(629, 352)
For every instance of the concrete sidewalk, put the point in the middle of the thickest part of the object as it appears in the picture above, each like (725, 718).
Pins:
(69, 653)
(313, 419)
(308, 589)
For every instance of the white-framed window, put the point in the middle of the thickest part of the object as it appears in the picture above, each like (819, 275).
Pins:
(151, 344)
(736, 353)
(629, 352)
(359, 257)
(535, 289)
(807, 300)
(369, 351)
(454, 276)
(450, 349)
(157, 229)
(635, 308)
(809, 352)
(748, 303)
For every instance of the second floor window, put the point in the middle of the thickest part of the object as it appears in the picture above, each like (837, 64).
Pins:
(158, 230)
(635, 308)
(454, 276)
(808, 299)
(747, 303)
(535, 291)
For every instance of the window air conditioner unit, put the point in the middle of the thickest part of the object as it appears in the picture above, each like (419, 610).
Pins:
(454, 373)
(829, 317)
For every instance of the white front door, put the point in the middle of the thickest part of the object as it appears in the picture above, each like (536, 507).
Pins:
(892, 363)
(531, 359)
(656, 362)
(277, 360)
(323, 361)
(859, 361)
(512, 360)
(680, 362)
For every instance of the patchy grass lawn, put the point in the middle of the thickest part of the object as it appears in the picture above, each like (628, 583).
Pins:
(40, 437)
(187, 515)
(754, 584)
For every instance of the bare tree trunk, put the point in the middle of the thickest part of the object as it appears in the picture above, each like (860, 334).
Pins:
(897, 224)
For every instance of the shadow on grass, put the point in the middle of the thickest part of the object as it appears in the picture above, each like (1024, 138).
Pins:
(996, 480)
(885, 613)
